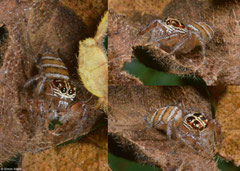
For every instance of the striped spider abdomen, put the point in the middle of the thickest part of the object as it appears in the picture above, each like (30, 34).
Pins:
(164, 118)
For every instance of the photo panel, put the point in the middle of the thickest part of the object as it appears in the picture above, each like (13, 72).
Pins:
(53, 102)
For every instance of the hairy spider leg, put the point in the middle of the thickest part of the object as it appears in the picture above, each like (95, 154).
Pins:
(169, 128)
(164, 31)
(179, 135)
(166, 38)
(214, 125)
(39, 103)
(150, 124)
(150, 26)
(84, 116)
(185, 141)
(195, 31)
(32, 80)
(177, 46)
(202, 45)
(40, 87)
(180, 43)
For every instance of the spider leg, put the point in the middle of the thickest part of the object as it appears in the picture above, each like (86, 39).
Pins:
(214, 125)
(42, 106)
(32, 80)
(185, 141)
(163, 37)
(39, 89)
(180, 136)
(184, 138)
(177, 46)
(84, 111)
(153, 24)
(202, 45)
(150, 124)
(169, 128)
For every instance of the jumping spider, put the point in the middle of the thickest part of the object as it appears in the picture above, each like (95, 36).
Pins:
(53, 93)
(173, 36)
(193, 128)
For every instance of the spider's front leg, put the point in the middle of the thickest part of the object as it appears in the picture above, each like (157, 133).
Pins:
(170, 125)
(153, 24)
(189, 139)
(170, 132)
(37, 106)
(40, 86)
(214, 126)
(178, 45)
(201, 41)
(29, 82)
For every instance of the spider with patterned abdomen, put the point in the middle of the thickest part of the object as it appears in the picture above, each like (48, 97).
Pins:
(191, 128)
(53, 80)
(53, 88)
(173, 36)
(54, 93)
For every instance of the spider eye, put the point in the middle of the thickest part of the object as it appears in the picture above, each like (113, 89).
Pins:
(189, 119)
(58, 83)
(175, 24)
(203, 118)
(195, 123)
(71, 91)
(182, 25)
(63, 89)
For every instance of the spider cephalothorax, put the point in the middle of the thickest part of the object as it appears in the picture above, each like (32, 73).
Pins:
(195, 121)
(173, 36)
(193, 129)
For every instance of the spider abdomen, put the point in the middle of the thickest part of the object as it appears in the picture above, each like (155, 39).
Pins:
(164, 115)
(53, 67)
(206, 32)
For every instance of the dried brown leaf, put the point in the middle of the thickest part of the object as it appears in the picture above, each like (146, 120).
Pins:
(119, 50)
(89, 11)
(91, 153)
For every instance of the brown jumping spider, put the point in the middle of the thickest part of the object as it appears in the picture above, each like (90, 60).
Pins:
(173, 36)
(191, 128)
(53, 93)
